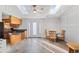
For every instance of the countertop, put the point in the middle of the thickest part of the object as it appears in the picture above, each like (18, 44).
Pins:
(20, 30)
(17, 31)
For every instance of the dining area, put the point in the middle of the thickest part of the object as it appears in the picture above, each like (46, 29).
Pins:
(54, 35)
(58, 37)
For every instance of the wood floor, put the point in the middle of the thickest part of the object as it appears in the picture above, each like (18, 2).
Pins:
(38, 45)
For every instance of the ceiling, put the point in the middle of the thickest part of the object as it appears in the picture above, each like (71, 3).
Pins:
(42, 11)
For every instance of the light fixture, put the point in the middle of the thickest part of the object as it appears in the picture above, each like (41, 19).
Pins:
(37, 9)
(34, 9)
(34, 12)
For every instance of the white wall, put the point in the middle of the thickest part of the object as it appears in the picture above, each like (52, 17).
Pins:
(70, 22)
(1, 9)
(52, 23)
(46, 23)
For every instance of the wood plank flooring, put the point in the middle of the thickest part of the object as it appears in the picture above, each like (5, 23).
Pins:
(37, 45)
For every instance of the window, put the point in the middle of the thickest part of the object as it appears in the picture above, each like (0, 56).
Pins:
(54, 9)
(23, 9)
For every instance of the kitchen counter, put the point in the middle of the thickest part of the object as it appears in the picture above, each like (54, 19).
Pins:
(17, 31)
(17, 35)
(20, 30)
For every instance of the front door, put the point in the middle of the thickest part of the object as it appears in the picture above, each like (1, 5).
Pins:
(34, 29)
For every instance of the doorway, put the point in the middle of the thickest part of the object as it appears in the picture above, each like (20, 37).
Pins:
(35, 29)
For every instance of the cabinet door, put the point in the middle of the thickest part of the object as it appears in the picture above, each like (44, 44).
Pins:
(15, 20)
(15, 39)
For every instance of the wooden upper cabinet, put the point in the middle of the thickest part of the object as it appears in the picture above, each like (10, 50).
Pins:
(15, 20)
(11, 21)
(6, 17)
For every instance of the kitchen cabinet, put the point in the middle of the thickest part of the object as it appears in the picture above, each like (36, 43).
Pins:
(15, 20)
(23, 35)
(15, 38)
(11, 21)
(6, 21)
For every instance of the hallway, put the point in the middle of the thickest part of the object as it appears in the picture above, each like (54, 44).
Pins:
(36, 45)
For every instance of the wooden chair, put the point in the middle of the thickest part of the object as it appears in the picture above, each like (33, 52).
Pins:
(52, 35)
(62, 35)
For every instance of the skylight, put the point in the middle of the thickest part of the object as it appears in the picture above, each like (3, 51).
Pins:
(54, 9)
(22, 9)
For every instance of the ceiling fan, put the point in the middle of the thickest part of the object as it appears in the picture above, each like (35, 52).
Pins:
(37, 9)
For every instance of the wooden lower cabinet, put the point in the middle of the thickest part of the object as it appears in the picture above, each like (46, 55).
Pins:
(23, 35)
(15, 39)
